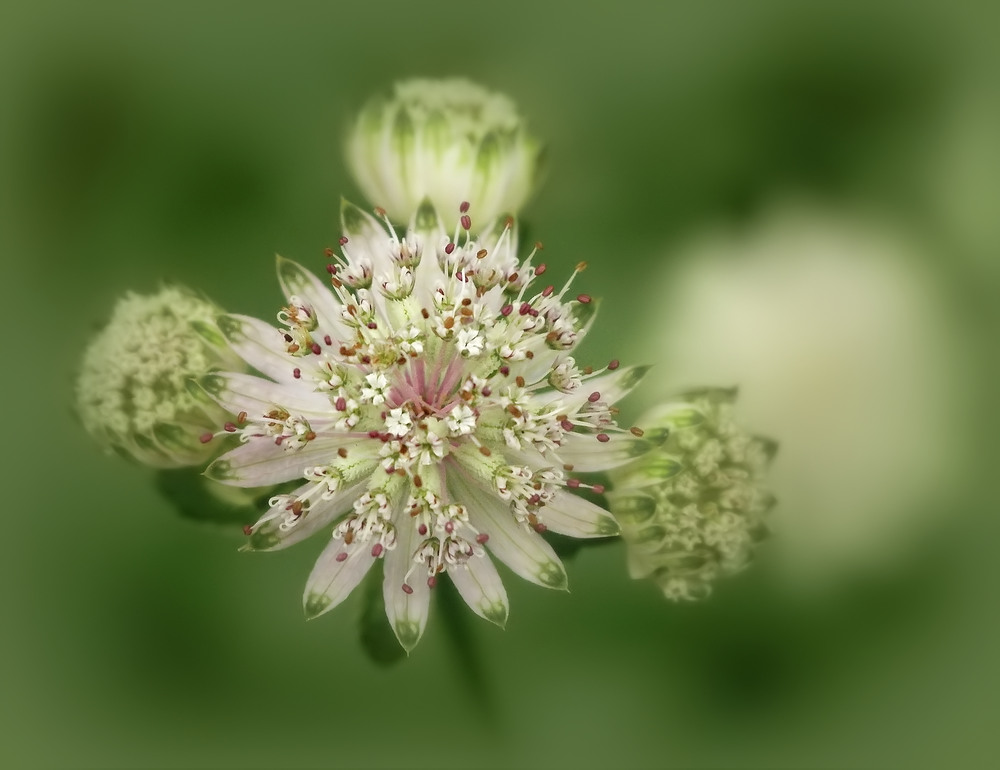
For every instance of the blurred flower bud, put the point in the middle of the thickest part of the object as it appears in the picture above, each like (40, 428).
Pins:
(692, 511)
(132, 393)
(448, 140)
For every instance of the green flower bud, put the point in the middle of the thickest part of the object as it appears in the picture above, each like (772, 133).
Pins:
(451, 141)
(133, 393)
(693, 510)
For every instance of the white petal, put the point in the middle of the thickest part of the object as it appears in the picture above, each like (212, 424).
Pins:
(261, 462)
(570, 515)
(270, 537)
(259, 344)
(331, 581)
(245, 393)
(366, 236)
(297, 281)
(521, 549)
(407, 612)
(479, 584)
(613, 386)
(586, 454)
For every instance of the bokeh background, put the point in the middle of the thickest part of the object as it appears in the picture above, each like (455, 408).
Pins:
(695, 151)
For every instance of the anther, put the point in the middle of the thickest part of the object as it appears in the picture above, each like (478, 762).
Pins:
(315, 348)
(573, 483)
(340, 404)
(539, 246)
(328, 339)
(614, 365)
(638, 432)
(594, 397)
(504, 370)
(432, 581)
(342, 452)
(519, 380)
(566, 425)
(241, 418)
(449, 248)
(407, 589)
(583, 299)
(464, 207)
(466, 222)
(248, 529)
(604, 438)
(540, 270)
(481, 254)
(581, 266)
(342, 556)
(343, 240)
(328, 252)
(598, 488)
(547, 291)
(482, 538)
(204, 438)
(377, 550)
(229, 427)
(506, 310)
(417, 481)
(422, 530)
(485, 451)
(296, 373)
(380, 212)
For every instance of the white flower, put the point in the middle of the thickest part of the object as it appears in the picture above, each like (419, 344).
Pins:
(693, 511)
(424, 478)
(447, 140)
(132, 393)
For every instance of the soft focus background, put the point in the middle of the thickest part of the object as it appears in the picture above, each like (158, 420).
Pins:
(798, 198)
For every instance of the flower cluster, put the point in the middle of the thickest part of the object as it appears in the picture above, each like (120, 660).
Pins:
(446, 140)
(694, 510)
(132, 392)
(429, 402)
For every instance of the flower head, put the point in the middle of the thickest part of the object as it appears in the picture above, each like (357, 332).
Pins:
(694, 510)
(449, 140)
(429, 403)
(132, 393)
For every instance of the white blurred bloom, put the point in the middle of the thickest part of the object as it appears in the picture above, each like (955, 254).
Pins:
(132, 393)
(842, 353)
(446, 140)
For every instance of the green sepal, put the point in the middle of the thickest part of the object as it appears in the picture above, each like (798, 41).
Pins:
(376, 635)
(194, 496)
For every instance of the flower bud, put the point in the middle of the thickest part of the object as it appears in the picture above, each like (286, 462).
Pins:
(133, 393)
(693, 510)
(451, 141)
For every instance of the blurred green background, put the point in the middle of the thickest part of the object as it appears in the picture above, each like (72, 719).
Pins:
(149, 142)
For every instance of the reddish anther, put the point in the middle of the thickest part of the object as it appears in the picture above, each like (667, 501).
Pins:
(464, 207)
(466, 222)
(340, 404)
(248, 529)
(296, 373)
(599, 488)
(343, 240)
(449, 248)
(432, 581)
(204, 438)
(377, 550)
(407, 589)
(229, 427)
(594, 397)
(540, 270)
(482, 538)
(604, 438)
(342, 556)
(583, 299)
(506, 310)
(573, 483)
(315, 348)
